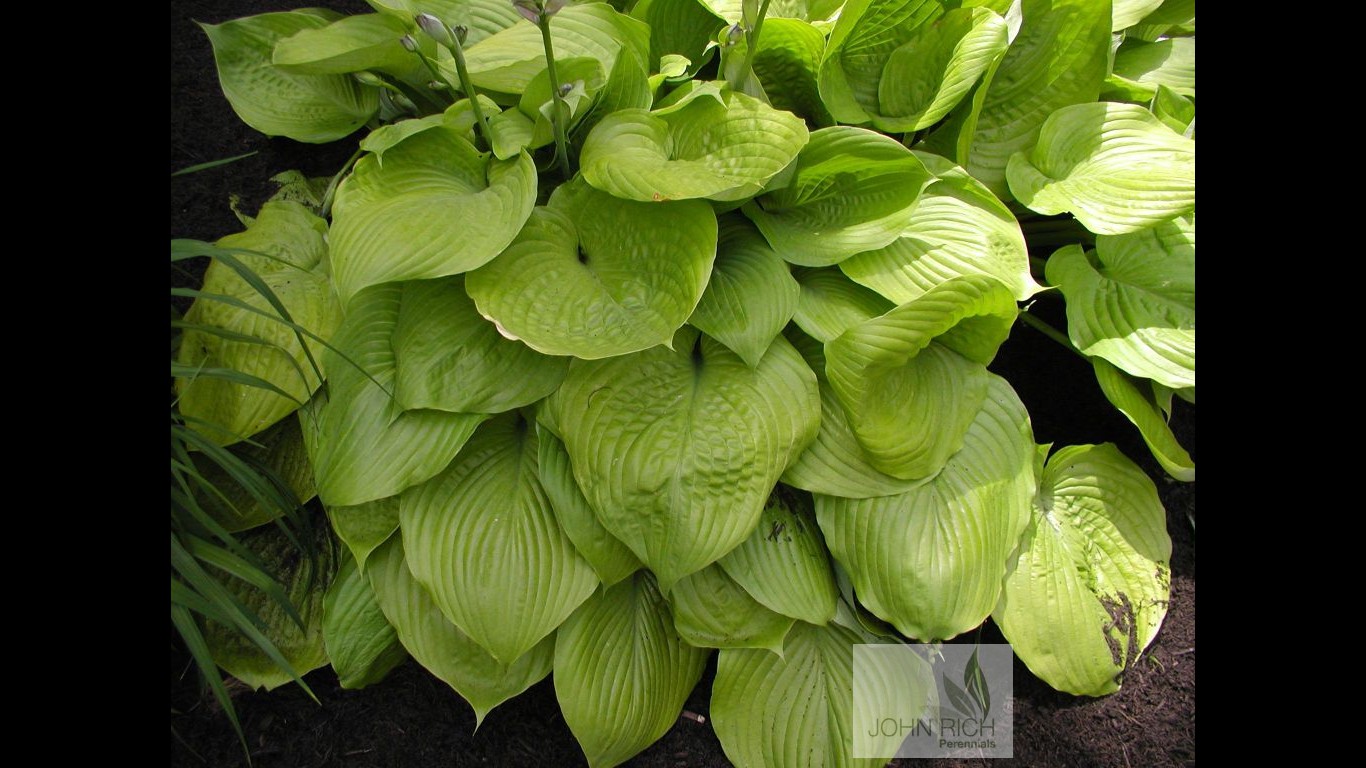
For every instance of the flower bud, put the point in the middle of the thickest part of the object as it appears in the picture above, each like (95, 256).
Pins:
(435, 29)
(408, 43)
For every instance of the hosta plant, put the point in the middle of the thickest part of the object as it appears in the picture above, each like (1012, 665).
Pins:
(646, 330)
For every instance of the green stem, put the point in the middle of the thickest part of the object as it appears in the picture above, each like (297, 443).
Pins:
(1050, 332)
(331, 192)
(561, 109)
(481, 127)
(751, 47)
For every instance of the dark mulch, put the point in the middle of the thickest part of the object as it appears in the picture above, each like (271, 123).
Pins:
(413, 719)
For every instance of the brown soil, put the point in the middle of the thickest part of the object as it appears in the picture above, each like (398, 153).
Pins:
(413, 719)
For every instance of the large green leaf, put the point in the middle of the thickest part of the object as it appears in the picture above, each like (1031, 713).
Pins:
(621, 671)
(595, 276)
(1060, 57)
(1116, 167)
(363, 445)
(835, 464)
(432, 206)
(931, 73)
(612, 560)
(507, 61)
(483, 540)
(1132, 300)
(309, 108)
(481, 17)
(1127, 13)
(450, 358)
(798, 710)
(677, 449)
(364, 527)
(1140, 407)
(957, 228)
(788, 62)
(751, 295)
(784, 563)
(912, 380)
(851, 192)
(305, 580)
(1140, 67)
(721, 145)
(360, 643)
(864, 37)
(681, 27)
(443, 649)
(1088, 588)
(830, 303)
(280, 449)
(349, 44)
(291, 260)
(710, 610)
(931, 560)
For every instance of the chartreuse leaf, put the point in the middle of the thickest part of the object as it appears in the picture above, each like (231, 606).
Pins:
(850, 193)
(733, 11)
(1173, 18)
(1137, 404)
(304, 580)
(443, 649)
(1132, 300)
(481, 17)
(864, 37)
(584, 76)
(957, 228)
(788, 61)
(365, 526)
(483, 540)
(1059, 57)
(223, 335)
(621, 671)
(1174, 110)
(610, 559)
(930, 560)
(507, 61)
(784, 563)
(360, 643)
(799, 709)
(450, 358)
(679, 27)
(1127, 13)
(1116, 167)
(835, 464)
(363, 445)
(1088, 588)
(912, 380)
(677, 449)
(830, 303)
(281, 449)
(710, 610)
(751, 295)
(459, 117)
(349, 44)
(719, 145)
(594, 276)
(311, 108)
(1140, 67)
(930, 73)
(433, 206)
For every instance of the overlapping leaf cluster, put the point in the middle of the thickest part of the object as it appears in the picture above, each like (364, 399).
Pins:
(727, 386)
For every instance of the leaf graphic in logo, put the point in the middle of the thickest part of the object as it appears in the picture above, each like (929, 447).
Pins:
(958, 698)
(976, 683)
